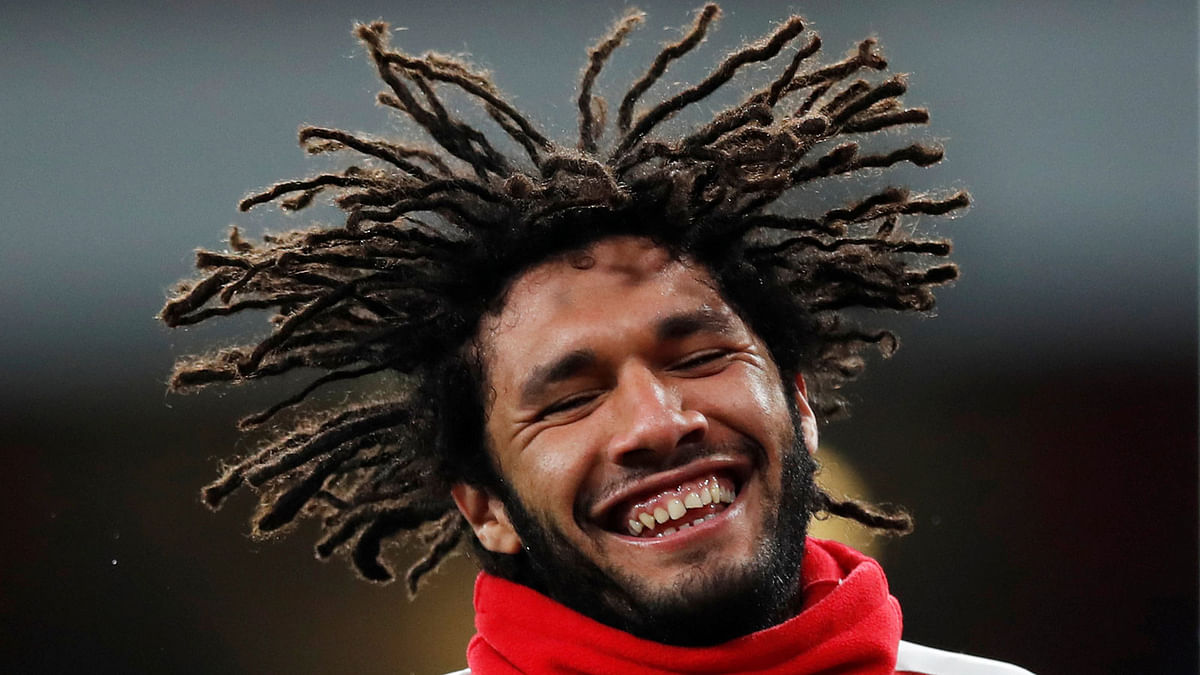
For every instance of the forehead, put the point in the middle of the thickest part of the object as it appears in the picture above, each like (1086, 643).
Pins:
(617, 286)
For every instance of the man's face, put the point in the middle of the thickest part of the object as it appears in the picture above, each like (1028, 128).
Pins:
(643, 428)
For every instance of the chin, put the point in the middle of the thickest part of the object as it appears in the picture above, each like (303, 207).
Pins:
(718, 601)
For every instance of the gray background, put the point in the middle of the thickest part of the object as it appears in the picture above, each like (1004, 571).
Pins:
(1042, 428)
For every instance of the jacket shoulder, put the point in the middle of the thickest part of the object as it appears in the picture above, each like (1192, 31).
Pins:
(920, 660)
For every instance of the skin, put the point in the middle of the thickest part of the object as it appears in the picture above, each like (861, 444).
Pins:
(619, 372)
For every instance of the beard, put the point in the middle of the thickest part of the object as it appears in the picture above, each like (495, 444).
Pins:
(747, 596)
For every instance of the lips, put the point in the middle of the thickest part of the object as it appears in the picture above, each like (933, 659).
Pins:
(667, 510)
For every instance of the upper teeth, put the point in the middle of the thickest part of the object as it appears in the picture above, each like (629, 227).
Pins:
(677, 507)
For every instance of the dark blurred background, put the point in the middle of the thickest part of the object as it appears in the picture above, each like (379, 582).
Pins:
(1042, 428)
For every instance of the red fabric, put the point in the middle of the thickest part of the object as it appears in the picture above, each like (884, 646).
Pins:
(849, 624)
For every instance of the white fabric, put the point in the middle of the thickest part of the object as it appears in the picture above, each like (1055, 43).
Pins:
(929, 661)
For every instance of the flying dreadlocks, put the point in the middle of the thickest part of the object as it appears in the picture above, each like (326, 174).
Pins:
(434, 233)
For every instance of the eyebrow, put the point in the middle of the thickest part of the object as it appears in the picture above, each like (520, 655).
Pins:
(674, 327)
(706, 319)
(563, 368)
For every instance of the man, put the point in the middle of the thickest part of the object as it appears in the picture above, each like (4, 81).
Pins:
(605, 362)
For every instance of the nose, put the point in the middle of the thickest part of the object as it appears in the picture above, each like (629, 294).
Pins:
(651, 419)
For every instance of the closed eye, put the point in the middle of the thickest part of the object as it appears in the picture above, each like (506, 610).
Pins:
(568, 404)
(697, 362)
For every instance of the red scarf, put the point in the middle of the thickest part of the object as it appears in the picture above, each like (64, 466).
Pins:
(849, 624)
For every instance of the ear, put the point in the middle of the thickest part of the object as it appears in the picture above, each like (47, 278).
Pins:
(808, 420)
(487, 517)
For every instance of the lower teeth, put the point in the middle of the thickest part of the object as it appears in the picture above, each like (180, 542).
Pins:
(672, 530)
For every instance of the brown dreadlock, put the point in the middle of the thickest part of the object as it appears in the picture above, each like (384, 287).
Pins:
(433, 236)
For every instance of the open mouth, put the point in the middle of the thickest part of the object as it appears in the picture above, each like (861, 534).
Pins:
(668, 511)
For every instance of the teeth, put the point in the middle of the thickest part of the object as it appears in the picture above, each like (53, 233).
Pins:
(684, 526)
(677, 507)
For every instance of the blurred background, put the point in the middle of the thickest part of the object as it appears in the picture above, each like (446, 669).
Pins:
(1042, 428)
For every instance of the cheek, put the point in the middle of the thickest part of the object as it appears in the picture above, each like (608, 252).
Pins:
(551, 470)
(768, 397)
(751, 401)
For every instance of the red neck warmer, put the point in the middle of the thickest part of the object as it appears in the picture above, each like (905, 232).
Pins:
(849, 624)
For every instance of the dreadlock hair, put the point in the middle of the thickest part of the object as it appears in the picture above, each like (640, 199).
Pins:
(434, 234)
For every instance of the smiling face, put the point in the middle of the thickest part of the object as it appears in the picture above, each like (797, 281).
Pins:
(643, 432)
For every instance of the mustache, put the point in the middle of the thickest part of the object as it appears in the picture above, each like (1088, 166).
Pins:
(681, 456)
